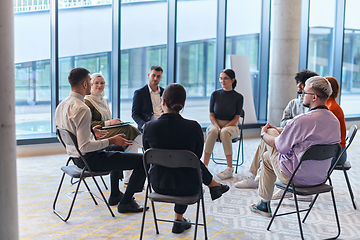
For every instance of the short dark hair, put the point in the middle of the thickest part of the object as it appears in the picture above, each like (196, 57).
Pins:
(174, 96)
(304, 75)
(231, 75)
(77, 76)
(156, 68)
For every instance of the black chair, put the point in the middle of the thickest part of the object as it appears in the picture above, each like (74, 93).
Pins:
(173, 159)
(318, 152)
(69, 139)
(346, 166)
(239, 139)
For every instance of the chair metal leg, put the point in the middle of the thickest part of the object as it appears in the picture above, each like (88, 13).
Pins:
(204, 218)
(310, 207)
(349, 187)
(144, 213)
(92, 196)
(336, 215)
(72, 202)
(197, 218)
(298, 215)
(155, 219)
(276, 210)
(102, 195)
(102, 179)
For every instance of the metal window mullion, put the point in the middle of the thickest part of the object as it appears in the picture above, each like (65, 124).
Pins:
(171, 41)
(220, 39)
(339, 42)
(304, 35)
(54, 59)
(264, 53)
(116, 59)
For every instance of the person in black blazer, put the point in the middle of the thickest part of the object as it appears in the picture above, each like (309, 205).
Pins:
(147, 100)
(172, 131)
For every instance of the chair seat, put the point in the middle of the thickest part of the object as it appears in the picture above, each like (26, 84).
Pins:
(186, 200)
(75, 172)
(306, 190)
(347, 166)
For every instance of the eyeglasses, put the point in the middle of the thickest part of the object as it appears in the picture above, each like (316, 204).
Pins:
(101, 83)
(303, 93)
(224, 79)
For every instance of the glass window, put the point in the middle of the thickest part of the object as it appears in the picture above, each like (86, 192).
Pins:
(350, 85)
(320, 53)
(32, 68)
(143, 44)
(243, 35)
(196, 50)
(85, 36)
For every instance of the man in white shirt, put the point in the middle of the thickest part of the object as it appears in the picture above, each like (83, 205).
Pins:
(147, 100)
(102, 155)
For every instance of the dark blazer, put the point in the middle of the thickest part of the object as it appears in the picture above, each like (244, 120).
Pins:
(142, 109)
(172, 131)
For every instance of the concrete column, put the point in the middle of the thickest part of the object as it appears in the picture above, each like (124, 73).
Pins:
(8, 182)
(284, 56)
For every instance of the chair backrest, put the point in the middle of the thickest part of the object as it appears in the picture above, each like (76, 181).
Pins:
(242, 118)
(350, 136)
(319, 152)
(67, 138)
(172, 158)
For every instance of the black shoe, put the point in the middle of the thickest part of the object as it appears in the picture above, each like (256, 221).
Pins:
(115, 200)
(131, 207)
(180, 226)
(217, 191)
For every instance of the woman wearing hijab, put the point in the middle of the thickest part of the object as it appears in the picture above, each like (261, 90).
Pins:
(101, 115)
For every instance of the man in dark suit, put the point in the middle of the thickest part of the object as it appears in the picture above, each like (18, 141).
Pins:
(147, 100)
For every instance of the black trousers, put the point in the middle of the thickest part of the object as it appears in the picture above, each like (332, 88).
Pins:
(111, 159)
(178, 208)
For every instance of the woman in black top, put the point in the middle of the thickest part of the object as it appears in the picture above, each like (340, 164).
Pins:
(172, 131)
(225, 108)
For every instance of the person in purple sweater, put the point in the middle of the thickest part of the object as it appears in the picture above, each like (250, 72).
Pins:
(285, 148)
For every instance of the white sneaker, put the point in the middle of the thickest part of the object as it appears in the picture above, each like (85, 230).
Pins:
(279, 193)
(248, 182)
(227, 173)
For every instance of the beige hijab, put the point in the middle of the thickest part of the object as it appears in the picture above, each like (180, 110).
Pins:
(98, 100)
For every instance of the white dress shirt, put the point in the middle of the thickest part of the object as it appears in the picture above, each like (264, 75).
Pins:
(73, 115)
(156, 103)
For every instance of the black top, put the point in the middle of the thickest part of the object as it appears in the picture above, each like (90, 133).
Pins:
(226, 104)
(142, 108)
(172, 131)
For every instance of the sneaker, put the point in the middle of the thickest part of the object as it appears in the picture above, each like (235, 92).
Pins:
(279, 193)
(248, 182)
(181, 225)
(300, 198)
(262, 208)
(227, 173)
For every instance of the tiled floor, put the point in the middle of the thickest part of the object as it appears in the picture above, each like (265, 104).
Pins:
(228, 217)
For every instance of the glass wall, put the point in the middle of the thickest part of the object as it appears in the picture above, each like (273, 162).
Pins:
(143, 44)
(32, 71)
(195, 54)
(243, 37)
(320, 49)
(350, 85)
(85, 30)
(84, 41)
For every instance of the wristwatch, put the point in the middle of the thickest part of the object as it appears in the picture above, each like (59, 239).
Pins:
(262, 135)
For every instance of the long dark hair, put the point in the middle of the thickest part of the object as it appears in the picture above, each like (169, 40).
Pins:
(231, 75)
(174, 96)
